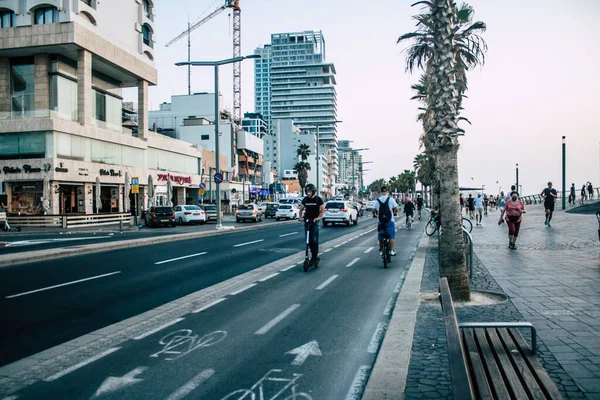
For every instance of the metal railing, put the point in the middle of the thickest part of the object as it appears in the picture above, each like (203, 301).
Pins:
(469, 251)
(538, 199)
(70, 221)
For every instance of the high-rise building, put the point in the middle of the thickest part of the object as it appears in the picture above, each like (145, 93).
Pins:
(294, 81)
(350, 165)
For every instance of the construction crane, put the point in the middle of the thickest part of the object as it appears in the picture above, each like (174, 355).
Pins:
(237, 51)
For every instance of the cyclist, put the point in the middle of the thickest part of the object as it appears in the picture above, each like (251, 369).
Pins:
(419, 205)
(383, 208)
(409, 209)
(315, 208)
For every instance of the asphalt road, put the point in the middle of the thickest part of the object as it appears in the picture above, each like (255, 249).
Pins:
(294, 335)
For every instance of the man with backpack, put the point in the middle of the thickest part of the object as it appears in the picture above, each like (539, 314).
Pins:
(385, 208)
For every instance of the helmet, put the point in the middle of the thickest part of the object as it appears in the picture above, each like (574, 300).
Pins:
(310, 186)
(408, 199)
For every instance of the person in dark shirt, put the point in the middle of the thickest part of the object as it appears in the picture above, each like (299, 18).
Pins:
(549, 196)
(314, 210)
(471, 205)
(409, 209)
(420, 205)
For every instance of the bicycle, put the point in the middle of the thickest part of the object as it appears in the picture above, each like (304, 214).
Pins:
(434, 224)
(385, 249)
(409, 222)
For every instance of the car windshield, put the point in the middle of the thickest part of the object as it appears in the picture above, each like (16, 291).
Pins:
(246, 207)
(271, 206)
(285, 207)
(335, 205)
(192, 208)
(163, 210)
(211, 208)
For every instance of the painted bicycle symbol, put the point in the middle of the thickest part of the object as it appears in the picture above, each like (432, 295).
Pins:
(268, 383)
(183, 341)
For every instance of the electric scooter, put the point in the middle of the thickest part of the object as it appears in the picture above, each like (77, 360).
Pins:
(307, 262)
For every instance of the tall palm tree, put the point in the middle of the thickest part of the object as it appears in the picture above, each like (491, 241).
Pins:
(303, 151)
(446, 44)
(302, 168)
(424, 167)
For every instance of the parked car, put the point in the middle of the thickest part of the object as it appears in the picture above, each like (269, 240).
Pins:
(271, 209)
(210, 210)
(157, 216)
(370, 205)
(339, 212)
(287, 211)
(248, 212)
(290, 200)
(189, 214)
(359, 208)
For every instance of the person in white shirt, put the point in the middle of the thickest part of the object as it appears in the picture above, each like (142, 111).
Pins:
(478, 201)
(386, 224)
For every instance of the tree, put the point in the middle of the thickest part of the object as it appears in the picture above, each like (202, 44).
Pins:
(303, 151)
(375, 186)
(424, 167)
(445, 44)
(302, 168)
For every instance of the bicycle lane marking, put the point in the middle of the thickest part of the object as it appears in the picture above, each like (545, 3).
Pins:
(267, 385)
(158, 329)
(191, 385)
(269, 325)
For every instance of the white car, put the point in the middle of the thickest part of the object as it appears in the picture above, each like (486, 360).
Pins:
(370, 205)
(340, 212)
(189, 214)
(287, 211)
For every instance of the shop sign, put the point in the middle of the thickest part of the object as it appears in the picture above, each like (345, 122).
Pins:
(110, 172)
(83, 171)
(180, 180)
(61, 169)
(12, 170)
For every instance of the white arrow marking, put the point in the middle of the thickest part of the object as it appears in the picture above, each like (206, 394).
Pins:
(302, 352)
(112, 384)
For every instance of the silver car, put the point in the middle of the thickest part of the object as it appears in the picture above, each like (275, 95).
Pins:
(248, 212)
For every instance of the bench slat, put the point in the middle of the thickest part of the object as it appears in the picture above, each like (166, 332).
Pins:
(498, 385)
(531, 384)
(511, 377)
(476, 365)
(540, 373)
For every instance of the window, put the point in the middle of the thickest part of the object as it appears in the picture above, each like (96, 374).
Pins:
(204, 137)
(22, 90)
(147, 35)
(46, 15)
(63, 97)
(147, 9)
(7, 19)
(100, 106)
(14, 146)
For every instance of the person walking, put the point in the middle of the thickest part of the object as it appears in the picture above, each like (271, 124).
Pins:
(461, 199)
(471, 205)
(478, 202)
(583, 195)
(572, 196)
(501, 201)
(486, 203)
(590, 190)
(549, 194)
(514, 210)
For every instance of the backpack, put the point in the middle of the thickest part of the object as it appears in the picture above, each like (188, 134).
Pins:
(385, 214)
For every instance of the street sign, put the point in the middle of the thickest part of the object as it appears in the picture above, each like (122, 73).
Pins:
(203, 186)
(201, 192)
(218, 177)
(353, 187)
(135, 180)
(135, 189)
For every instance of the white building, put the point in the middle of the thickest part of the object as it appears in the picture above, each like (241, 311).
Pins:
(63, 65)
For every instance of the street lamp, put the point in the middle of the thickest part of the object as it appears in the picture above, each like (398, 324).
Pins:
(318, 125)
(216, 65)
(517, 176)
(362, 170)
(564, 172)
(353, 172)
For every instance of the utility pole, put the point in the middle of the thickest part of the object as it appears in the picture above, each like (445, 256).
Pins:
(564, 172)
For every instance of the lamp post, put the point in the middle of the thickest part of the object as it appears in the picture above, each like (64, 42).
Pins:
(318, 125)
(215, 65)
(353, 170)
(564, 172)
(362, 170)
(517, 176)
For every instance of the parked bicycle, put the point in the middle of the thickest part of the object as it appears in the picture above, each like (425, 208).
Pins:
(435, 223)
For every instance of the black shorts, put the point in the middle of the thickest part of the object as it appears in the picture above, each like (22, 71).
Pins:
(549, 205)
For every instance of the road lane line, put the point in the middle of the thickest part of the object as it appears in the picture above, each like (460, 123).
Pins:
(242, 289)
(268, 277)
(288, 268)
(276, 320)
(351, 263)
(180, 258)
(327, 282)
(208, 305)
(368, 250)
(337, 245)
(81, 364)
(359, 382)
(288, 234)
(191, 385)
(157, 329)
(328, 250)
(377, 338)
(388, 308)
(62, 284)
(247, 243)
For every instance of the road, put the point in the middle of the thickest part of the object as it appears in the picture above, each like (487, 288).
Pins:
(290, 332)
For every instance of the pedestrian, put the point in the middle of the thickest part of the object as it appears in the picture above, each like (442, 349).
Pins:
(549, 196)
(572, 194)
(486, 203)
(478, 202)
(462, 203)
(471, 205)
(501, 201)
(583, 195)
(514, 209)
(590, 190)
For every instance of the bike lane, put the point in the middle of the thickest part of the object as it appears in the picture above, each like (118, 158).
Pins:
(295, 335)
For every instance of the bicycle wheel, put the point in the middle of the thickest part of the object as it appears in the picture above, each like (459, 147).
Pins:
(386, 251)
(467, 224)
(431, 227)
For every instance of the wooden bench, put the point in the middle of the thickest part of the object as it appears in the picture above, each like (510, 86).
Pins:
(492, 360)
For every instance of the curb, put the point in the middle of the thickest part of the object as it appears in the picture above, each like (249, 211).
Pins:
(389, 375)
(41, 255)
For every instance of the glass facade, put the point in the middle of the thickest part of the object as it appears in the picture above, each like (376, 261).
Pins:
(172, 162)
(7, 19)
(108, 109)
(15, 146)
(46, 15)
(63, 97)
(22, 89)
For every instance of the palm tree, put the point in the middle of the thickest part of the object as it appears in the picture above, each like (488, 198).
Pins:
(375, 186)
(303, 151)
(446, 43)
(424, 167)
(302, 168)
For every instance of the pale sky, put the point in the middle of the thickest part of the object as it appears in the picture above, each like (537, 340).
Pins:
(540, 80)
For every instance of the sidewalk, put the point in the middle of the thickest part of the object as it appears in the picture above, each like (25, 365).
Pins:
(552, 280)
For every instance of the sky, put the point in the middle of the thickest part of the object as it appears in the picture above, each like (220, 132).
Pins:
(539, 82)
